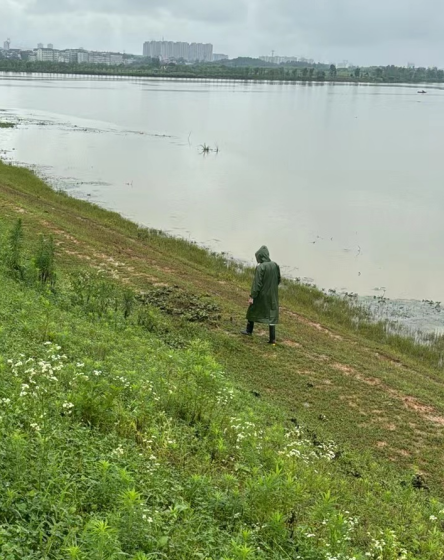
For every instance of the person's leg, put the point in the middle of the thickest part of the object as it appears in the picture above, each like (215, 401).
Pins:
(249, 328)
(272, 330)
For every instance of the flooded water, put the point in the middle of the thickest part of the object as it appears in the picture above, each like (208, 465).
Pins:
(342, 182)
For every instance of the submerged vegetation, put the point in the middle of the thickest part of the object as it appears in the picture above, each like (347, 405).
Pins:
(6, 124)
(133, 424)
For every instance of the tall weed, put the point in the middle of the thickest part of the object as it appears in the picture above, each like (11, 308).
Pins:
(44, 261)
(12, 252)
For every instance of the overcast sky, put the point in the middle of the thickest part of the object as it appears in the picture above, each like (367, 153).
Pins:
(361, 31)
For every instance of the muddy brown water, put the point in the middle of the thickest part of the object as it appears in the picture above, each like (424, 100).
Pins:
(342, 182)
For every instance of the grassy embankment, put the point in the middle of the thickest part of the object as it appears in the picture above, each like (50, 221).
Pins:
(149, 429)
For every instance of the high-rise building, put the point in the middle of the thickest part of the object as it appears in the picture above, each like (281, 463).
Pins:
(183, 51)
(7, 45)
(219, 56)
(115, 59)
(200, 52)
(281, 59)
(40, 45)
(62, 57)
(167, 50)
(194, 52)
(47, 55)
(50, 46)
(207, 52)
(82, 57)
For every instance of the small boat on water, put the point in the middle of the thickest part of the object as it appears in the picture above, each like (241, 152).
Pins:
(422, 91)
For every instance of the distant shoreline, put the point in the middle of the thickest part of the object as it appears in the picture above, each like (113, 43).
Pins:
(214, 78)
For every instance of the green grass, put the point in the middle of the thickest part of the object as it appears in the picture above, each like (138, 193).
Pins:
(6, 125)
(148, 428)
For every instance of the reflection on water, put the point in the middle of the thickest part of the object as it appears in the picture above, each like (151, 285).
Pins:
(342, 182)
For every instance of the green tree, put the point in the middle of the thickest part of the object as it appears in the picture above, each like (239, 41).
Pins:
(333, 72)
(431, 74)
(305, 73)
(357, 72)
(311, 73)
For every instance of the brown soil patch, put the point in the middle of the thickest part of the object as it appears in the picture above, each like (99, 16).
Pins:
(403, 452)
(413, 404)
(313, 324)
(61, 232)
(166, 269)
(381, 444)
(371, 381)
(428, 412)
(291, 344)
(393, 361)
(436, 420)
(344, 368)
(320, 357)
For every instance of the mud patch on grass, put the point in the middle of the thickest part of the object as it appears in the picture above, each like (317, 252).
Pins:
(371, 381)
(314, 325)
(344, 368)
(436, 420)
(175, 301)
(403, 452)
(414, 404)
(395, 362)
(291, 344)
(428, 412)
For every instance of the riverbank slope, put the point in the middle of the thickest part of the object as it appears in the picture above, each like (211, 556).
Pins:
(367, 407)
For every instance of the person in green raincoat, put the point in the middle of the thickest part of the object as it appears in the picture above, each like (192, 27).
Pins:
(264, 296)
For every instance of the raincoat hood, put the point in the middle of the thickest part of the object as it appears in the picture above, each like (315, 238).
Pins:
(263, 255)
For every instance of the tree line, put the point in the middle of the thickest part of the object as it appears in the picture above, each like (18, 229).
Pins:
(284, 72)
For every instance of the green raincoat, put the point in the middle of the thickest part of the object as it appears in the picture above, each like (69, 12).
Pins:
(264, 291)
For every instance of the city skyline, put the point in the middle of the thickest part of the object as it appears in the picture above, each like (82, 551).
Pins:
(317, 30)
(164, 50)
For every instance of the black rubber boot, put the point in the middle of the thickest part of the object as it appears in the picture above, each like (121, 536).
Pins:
(249, 329)
(272, 330)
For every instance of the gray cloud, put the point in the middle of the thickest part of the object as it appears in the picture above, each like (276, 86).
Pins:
(196, 10)
(363, 31)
